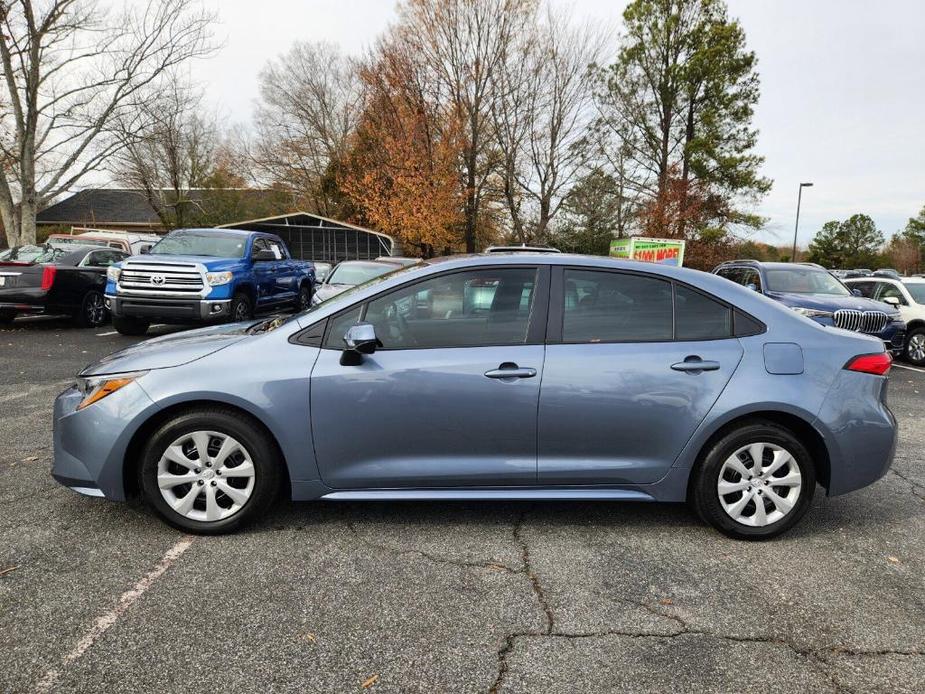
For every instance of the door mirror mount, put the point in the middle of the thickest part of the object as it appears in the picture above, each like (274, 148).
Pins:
(359, 339)
(856, 292)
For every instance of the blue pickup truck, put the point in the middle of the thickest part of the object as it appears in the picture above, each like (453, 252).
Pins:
(206, 276)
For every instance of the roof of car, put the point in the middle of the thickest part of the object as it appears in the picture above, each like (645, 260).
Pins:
(771, 265)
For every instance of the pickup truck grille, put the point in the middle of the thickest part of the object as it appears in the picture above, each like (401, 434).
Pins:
(162, 278)
(860, 321)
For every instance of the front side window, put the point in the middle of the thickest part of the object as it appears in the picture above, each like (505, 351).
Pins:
(890, 291)
(463, 309)
(865, 288)
(616, 307)
(750, 276)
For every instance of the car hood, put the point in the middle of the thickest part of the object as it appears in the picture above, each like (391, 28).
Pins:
(170, 350)
(326, 291)
(826, 302)
(210, 261)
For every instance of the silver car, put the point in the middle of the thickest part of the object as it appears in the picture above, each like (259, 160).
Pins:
(544, 376)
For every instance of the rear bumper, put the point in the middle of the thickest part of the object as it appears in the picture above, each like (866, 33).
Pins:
(23, 300)
(860, 431)
(169, 310)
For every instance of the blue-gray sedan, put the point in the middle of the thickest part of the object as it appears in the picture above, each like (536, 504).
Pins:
(521, 376)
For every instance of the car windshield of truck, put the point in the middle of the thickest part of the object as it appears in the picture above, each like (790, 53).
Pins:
(917, 290)
(803, 280)
(211, 244)
(358, 273)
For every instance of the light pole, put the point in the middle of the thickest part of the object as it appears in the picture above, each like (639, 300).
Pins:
(796, 227)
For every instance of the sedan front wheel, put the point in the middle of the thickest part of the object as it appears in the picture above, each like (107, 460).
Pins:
(210, 472)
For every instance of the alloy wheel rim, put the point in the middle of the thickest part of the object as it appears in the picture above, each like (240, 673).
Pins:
(305, 299)
(916, 348)
(759, 484)
(240, 311)
(95, 309)
(206, 476)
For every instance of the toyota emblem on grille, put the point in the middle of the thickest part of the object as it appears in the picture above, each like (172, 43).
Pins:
(157, 279)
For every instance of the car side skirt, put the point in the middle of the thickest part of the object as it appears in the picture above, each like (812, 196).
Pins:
(511, 493)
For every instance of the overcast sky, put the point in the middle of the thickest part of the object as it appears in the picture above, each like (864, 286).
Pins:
(842, 91)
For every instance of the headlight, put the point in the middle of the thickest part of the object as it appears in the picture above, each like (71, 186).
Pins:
(113, 272)
(95, 388)
(811, 312)
(217, 278)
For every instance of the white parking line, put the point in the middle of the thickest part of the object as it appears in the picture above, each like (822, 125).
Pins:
(103, 622)
(111, 332)
(910, 368)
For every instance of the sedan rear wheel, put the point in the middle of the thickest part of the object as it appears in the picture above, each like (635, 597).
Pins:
(210, 472)
(754, 483)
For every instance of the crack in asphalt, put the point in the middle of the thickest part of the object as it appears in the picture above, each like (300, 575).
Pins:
(813, 657)
(437, 559)
(917, 489)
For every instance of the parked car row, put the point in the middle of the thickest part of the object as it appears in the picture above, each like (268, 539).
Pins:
(812, 291)
(190, 276)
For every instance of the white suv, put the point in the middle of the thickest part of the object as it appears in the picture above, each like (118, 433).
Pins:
(908, 295)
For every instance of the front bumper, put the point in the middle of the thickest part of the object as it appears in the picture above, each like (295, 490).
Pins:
(169, 310)
(90, 444)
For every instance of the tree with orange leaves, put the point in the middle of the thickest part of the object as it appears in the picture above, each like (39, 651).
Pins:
(402, 171)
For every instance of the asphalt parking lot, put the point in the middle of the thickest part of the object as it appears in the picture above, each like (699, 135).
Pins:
(440, 597)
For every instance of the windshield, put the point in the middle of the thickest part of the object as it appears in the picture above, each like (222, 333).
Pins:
(917, 290)
(357, 273)
(804, 280)
(212, 244)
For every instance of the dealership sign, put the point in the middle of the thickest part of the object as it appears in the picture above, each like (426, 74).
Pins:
(664, 251)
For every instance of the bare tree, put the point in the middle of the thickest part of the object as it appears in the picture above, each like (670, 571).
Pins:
(542, 111)
(168, 150)
(310, 102)
(464, 43)
(70, 70)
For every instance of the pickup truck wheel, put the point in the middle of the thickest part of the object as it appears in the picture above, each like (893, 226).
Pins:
(6, 317)
(130, 326)
(241, 308)
(304, 299)
(93, 312)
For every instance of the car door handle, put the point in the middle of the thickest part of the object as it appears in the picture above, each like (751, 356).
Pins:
(696, 364)
(510, 370)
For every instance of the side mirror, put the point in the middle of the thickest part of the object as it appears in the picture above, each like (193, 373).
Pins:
(145, 250)
(264, 254)
(360, 339)
(856, 292)
(752, 286)
(891, 300)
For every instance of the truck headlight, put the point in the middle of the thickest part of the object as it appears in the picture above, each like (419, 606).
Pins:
(216, 278)
(113, 272)
(95, 388)
(811, 312)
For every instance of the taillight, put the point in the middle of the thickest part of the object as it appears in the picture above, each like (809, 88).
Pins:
(877, 364)
(48, 276)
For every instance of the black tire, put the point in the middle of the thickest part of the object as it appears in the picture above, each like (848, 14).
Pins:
(705, 497)
(260, 447)
(7, 317)
(130, 326)
(242, 308)
(912, 346)
(303, 299)
(93, 312)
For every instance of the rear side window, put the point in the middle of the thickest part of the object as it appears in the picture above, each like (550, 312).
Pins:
(698, 317)
(615, 307)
